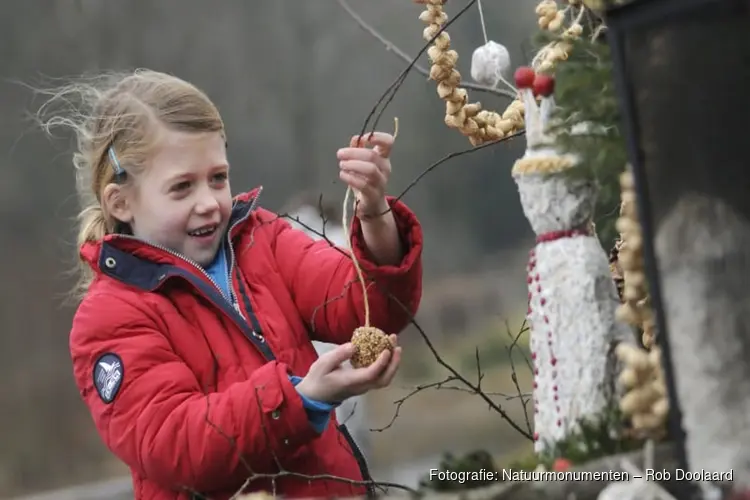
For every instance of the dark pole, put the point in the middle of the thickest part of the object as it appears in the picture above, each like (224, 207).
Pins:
(616, 20)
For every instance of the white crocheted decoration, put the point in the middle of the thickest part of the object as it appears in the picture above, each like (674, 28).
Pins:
(489, 63)
(572, 297)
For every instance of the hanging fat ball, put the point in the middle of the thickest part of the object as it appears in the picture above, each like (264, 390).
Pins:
(369, 342)
(489, 63)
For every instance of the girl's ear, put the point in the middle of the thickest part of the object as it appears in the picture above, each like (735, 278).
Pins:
(114, 199)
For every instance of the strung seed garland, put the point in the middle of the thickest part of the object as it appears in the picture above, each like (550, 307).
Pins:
(645, 400)
(369, 341)
(635, 309)
(482, 126)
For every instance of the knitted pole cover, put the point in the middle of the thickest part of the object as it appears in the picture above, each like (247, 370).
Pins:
(572, 297)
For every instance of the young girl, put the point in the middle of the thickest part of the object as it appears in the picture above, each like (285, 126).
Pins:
(192, 343)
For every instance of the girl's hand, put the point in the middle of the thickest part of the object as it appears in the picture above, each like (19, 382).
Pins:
(367, 170)
(330, 382)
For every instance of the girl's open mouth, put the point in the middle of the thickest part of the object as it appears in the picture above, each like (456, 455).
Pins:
(204, 232)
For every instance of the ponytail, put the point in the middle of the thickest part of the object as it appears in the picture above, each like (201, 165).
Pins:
(118, 112)
(92, 227)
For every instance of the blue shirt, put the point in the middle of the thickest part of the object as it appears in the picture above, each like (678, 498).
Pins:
(318, 412)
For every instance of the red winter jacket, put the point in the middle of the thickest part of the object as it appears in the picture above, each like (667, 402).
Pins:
(197, 399)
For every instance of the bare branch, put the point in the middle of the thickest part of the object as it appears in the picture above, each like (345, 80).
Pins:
(390, 92)
(456, 376)
(415, 391)
(513, 376)
(492, 404)
(505, 396)
(391, 47)
(447, 157)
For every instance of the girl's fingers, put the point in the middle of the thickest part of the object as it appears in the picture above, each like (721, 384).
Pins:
(372, 139)
(362, 167)
(387, 377)
(331, 360)
(380, 365)
(354, 181)
(365, 155)
(367, 377)
(365, 169)
(364, 188)
(381, 140)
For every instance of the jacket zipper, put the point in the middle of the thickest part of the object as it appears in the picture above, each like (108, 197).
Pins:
(231, 299)
(359, 457)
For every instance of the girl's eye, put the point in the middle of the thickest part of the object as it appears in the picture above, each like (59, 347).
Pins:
(181, 186)
(221, 177)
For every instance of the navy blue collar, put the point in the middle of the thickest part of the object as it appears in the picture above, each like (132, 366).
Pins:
(148, 275)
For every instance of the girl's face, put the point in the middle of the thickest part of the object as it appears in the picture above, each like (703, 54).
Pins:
(182, 199)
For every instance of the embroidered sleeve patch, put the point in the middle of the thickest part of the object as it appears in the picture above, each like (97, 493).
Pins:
(108, 372)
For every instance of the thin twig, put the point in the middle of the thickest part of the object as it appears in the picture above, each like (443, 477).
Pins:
(505, 396)
(283, 472)
(492, 404)
(456, 376)
(454, 155)
(444, 159)
(390, 92)
(400, 402)
(514, 377)
(391, 47)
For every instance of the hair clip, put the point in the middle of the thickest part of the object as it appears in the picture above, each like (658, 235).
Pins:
(115, 163)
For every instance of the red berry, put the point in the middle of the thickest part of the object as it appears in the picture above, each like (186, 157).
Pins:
(561, 465)
(524, 77)
(544, 85)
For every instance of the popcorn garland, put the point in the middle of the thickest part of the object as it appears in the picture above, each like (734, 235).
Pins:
(645, 400)
(635, 309)
(482, 126)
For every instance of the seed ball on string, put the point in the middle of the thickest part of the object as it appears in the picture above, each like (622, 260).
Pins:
(489, 63)
(369, 342)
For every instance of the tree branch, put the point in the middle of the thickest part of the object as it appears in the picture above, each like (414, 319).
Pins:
(391, 91)
(391, 47)
(454, 374)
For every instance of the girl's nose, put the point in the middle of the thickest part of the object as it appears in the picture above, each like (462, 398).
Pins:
(206, 202)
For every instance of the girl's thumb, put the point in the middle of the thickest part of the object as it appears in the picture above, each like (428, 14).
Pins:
(332, 359)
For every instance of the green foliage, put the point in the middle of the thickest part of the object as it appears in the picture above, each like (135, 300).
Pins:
(591, 440)
(585, 93)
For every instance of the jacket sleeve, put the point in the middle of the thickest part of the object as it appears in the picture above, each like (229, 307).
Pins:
(151, 411)
(324, 285)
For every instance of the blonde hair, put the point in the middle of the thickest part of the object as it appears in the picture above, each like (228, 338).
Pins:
(121, 112)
